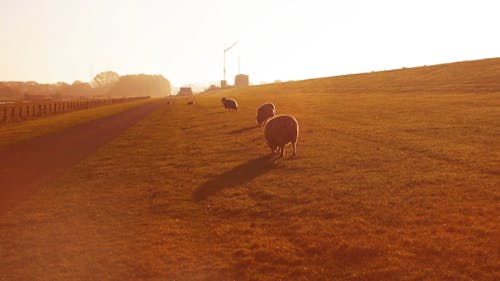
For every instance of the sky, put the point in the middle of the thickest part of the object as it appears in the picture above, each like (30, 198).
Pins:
(183, 40)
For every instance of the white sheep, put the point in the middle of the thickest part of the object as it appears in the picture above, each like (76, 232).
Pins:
(230, 104)
(281, 130)
(265, 112)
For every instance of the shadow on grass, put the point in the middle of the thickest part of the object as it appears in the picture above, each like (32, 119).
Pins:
(216, 113)
(235, 177)
(238, 131)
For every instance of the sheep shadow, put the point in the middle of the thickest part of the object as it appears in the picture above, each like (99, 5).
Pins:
(216, 113)
(242, 130)
(236, 176)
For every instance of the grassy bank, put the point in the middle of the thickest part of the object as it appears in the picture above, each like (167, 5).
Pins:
(385, 187)
(11, 133)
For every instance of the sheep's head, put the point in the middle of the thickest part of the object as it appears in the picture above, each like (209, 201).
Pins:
(260, 120)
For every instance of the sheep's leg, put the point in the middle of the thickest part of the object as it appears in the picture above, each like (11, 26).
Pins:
(273, 150)
(294, 146)
(282, 150)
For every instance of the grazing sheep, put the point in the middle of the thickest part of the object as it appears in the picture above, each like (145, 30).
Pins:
(265, 112)
(222, 101)
(281, 130)
(230, 104)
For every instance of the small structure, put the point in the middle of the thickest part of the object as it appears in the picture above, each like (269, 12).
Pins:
(223, 83)
(241, 80)
(185, 91)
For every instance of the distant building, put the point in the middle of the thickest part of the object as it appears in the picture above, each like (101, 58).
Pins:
(241, 80)
(185, 91)
(223, 83)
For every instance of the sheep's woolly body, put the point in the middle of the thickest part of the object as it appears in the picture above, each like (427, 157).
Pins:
(281, 130)
(230, 104)
(264, 112)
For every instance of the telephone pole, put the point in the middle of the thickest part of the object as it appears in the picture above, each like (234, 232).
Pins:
(225, 50)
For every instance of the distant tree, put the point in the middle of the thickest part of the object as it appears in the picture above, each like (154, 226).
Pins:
(6, 91)
(105, 79)
(141, 85)
(62, 84)
(79, 88)
(57, 89)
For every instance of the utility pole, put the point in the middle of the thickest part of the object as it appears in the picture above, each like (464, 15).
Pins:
(225, 50)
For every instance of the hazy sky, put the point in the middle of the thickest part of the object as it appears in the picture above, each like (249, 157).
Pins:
(67, 40)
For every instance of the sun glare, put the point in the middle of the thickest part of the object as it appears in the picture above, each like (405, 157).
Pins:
(59, 40)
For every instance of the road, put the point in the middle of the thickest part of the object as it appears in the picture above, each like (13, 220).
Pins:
(26, 167)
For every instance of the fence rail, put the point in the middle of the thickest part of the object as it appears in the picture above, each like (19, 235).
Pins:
(17, 112)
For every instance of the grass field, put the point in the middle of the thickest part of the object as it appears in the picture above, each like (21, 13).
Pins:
(386, 186)
(16, 132)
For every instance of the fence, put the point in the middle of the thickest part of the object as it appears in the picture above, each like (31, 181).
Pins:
(26, 111)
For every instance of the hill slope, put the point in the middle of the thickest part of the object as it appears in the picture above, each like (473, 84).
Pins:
(397, 181)
(479, 76)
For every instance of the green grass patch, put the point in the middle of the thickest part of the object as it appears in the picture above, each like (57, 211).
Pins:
(389, 184)
(385, 187)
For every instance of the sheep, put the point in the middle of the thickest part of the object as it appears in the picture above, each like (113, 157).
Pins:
(281, 130)
(265, 112)
(230, 104)
(191, 102)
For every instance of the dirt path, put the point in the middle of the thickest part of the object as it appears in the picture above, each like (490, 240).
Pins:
(27, 166)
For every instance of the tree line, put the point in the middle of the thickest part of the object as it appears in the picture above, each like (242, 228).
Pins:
(106, 83)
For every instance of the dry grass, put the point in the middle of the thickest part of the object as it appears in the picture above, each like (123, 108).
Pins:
(385, 187)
